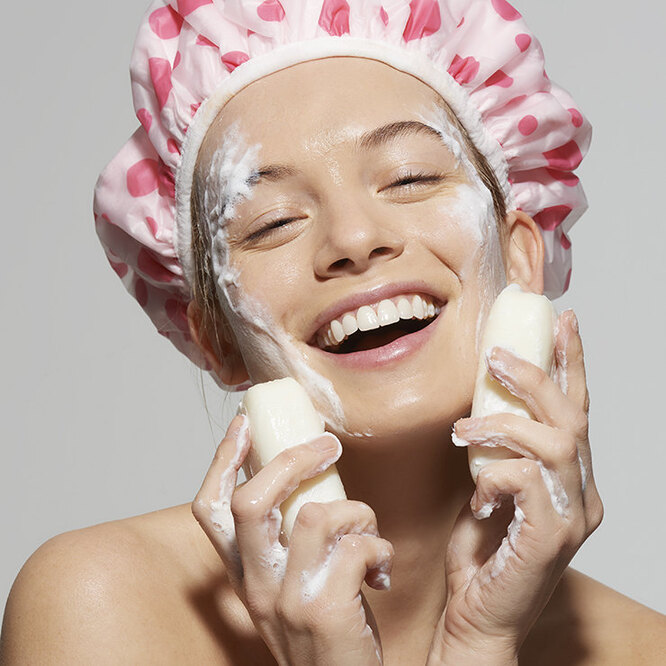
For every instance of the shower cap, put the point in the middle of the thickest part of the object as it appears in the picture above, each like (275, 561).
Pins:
(191, 56)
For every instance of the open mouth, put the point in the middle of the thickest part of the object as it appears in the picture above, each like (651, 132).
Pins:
(373, 326)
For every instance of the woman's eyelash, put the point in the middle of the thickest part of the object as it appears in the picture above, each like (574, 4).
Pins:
(271, 227)
(416, 179)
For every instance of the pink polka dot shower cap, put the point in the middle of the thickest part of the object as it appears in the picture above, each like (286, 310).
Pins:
(191, 56)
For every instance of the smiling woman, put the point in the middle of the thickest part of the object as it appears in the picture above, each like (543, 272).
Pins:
(373, 181)
(336, 192)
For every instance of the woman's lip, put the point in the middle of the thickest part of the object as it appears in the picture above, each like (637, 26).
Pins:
(393, 352)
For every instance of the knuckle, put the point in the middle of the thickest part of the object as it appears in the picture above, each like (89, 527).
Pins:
(579, 534)
(596, 514)
(311, 515)
(284, 611)
(580, 424)
(242, 509)
(531, 470)
(199, 508)
(351, 542)
(386, 548)
(288, 458)
(566, 449)
(538, 377)
(365, 513)
(258, 604)
(485, 477)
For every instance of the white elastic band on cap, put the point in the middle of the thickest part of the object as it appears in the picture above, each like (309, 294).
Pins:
(401, 59)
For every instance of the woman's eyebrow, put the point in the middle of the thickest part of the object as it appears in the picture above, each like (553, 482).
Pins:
(372, 139)
(273, 172)
(386, 133)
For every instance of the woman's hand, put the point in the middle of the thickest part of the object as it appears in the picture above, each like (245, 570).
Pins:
(497, 582)
(305, 600)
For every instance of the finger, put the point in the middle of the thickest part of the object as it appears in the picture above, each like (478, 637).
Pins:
(340, 575)
(536, 389)
(211, 506)
(473, 542)
(538, 492)
(256, 505)
(570, 360)
(556, 449)
(317, 530)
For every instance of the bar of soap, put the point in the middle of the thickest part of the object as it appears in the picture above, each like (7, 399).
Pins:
(281, 415)
(523, 323)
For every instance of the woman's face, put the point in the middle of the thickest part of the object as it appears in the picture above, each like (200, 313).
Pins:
(361, 205)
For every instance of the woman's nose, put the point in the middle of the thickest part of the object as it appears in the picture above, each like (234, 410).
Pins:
(352, 241)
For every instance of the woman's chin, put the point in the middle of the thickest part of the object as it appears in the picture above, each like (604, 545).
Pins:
(377, 419)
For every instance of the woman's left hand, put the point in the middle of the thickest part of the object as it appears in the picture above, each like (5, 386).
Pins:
(495, 594)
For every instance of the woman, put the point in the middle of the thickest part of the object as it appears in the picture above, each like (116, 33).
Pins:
(316, 189)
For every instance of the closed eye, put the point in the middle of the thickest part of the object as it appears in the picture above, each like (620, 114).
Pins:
(416, 180)
(272, 227)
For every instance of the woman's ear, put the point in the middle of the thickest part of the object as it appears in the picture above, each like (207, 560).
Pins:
(222, 353)
(524, 252)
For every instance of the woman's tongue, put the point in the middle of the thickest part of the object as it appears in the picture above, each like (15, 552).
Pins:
(376, 338)
(379, 336)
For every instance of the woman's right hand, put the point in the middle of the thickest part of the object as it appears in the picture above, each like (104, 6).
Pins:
(304, 599)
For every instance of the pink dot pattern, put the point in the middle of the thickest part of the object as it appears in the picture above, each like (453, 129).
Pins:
(233, 59)
(576, 117)
(528, 125)
(424, 19)
(523, 42)
(166, 22)
(334, 17)
(160, 75)
(505, 10)
(143, 177)
(186, 7)
(145, 118)
(185, 49)
(271, 10)
(383, 16)
(499, 78)
(464, 70)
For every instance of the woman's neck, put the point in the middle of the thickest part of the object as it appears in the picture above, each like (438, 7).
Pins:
(416, 489)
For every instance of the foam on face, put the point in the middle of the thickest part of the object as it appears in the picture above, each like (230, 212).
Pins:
(473, 205)
(229, 181)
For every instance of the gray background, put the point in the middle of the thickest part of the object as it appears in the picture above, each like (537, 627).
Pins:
(102, 418)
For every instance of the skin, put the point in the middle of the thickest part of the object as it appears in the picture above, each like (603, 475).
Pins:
(157, 588)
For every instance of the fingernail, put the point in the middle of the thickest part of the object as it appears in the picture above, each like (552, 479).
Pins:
(496, 361)
(459, 441)
(328, 443)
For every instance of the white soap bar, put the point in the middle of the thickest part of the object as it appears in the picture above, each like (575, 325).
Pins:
(523, 323)
(281, 415)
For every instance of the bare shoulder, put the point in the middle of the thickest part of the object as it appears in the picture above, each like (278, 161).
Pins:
(587, 622)
(139, 590)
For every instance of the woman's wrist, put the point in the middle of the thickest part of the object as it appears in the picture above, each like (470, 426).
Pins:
(467, 653)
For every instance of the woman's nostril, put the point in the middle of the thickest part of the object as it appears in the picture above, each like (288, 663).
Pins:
(340, 264)
(347, 263)
(381, 252)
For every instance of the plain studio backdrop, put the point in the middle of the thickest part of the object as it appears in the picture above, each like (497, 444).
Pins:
(102, 417)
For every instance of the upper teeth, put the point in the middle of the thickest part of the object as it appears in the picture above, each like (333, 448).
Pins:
(369, 317)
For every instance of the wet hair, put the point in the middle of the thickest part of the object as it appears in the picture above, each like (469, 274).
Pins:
(212, 321)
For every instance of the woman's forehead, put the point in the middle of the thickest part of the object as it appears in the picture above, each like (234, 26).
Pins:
(331, 97)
